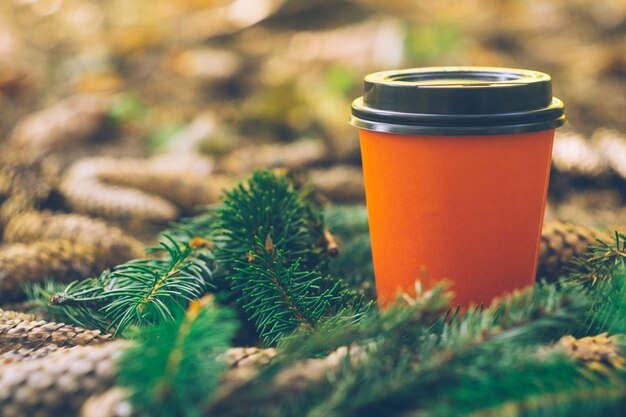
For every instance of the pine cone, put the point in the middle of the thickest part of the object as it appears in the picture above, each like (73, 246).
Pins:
(243, 363)
(16, 205)
(183, 180)
(19, 333)
(341, 182)
(573, 154)
(292, 381)
(71, 120)
(59, 383)
(596, 351)
(114, 246)
(273, 155)
(22, 172)
(612, 146)
(16, 315)
(61, 260)
(26, 354)
(111, 403)
(559, 243)
(86, 193)
(22, 184)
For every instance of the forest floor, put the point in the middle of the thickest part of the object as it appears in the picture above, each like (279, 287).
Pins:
(237, 81)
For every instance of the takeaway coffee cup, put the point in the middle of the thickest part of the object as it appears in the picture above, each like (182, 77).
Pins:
(456, 163)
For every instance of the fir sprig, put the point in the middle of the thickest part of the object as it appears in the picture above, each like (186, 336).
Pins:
(149, 291)
(38, 295)
(601, 261)
(173, 368)
(140, 292)
(81, 302)
(280, 298)
(354, 261)
(271, 245)
(268, 208)
(608, 309)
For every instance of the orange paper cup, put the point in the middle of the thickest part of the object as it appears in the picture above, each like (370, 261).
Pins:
(456, 162)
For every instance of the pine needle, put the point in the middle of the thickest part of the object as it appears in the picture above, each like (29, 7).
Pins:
(174, 367)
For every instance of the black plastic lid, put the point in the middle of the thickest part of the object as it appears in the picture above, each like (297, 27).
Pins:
(457, 101)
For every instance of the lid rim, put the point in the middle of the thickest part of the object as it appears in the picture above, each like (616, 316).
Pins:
(553, 111)
(457, 130)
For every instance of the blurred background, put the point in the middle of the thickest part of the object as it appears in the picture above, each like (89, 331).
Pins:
(220, 87)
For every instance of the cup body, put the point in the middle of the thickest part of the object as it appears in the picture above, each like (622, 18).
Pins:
(468, 209)
(456, 163)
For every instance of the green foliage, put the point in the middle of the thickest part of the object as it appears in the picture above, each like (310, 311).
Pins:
(601, 275)
(405, 319)
(417, 371)
(427, 44)
(608, 310)
(269, 209)
(354, 261)
(263, 248)
(600, 263)
(341, 80)
(38, 295)
(81, 302)
(419, 357)
(522, 382)
(173, 368)
(161, 136)
(127, 107)
(279, 298)
(141, 292)
(272, 244)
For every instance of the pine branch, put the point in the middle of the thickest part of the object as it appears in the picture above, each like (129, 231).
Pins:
(408, 357)
(354, 261)
(391, 380)
(281, 299)
(38, 296)
(600, 262)
(529, 384)
(268, 206)
(576, 377)
(592, 399)
(140, 292)
(81, 301)
(272, 249)
(608, 309)
(173, 368)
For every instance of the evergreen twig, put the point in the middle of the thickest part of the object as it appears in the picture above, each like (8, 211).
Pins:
(272, 244)
(174, 367)
(601, 261)
(139, 292)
